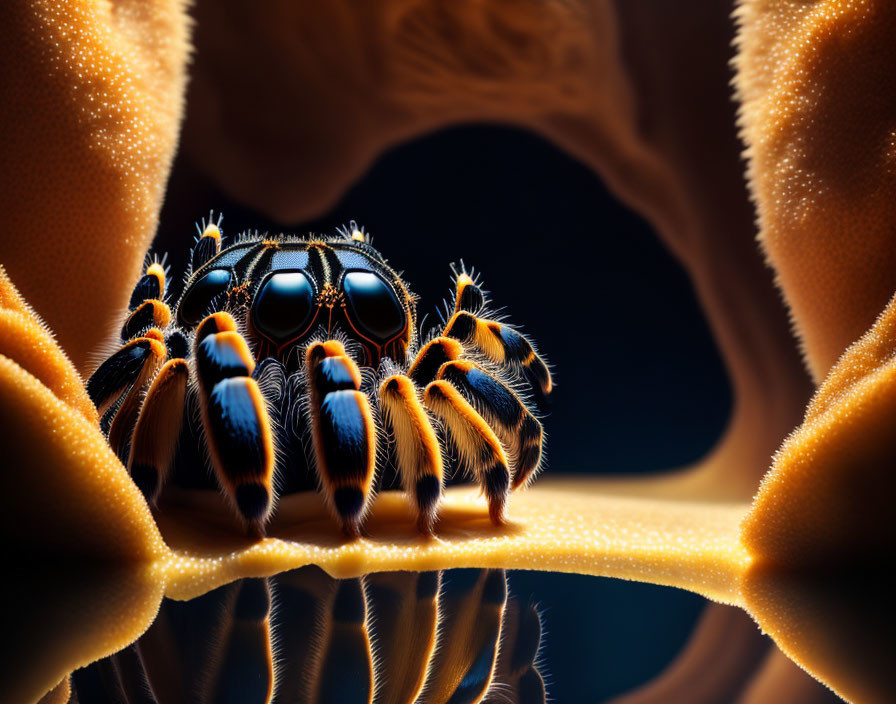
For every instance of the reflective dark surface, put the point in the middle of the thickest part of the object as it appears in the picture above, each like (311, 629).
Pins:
(303, 637)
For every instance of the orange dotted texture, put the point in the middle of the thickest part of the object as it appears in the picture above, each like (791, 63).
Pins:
(821, 533)
(816, 81)
(92, 98)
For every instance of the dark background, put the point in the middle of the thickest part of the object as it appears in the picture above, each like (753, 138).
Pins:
(639, 383)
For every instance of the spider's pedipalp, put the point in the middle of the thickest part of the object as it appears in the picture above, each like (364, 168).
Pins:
(503, 345)
(235, 417)
(478, 446)
(518, 429)
(417, 450)
(158, 428)
(343, 430)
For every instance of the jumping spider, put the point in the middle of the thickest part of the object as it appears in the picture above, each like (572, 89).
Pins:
(276, 340)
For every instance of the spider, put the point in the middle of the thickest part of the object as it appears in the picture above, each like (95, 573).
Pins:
(275, 341)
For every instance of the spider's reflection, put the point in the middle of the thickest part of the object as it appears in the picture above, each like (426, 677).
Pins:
(303, 637)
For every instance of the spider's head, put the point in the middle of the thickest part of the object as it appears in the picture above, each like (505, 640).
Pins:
(292, 291)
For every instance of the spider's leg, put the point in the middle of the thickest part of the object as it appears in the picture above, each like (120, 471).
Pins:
(431, 357)
(343, 431)
(149, 314)
(208, 245)
(468, 296)
(304, 603)
(125, 412)
(235, 417)
(158, 428)
(146, 307)
(503, 345)
(417, 450)
(150, 286)
(517, 666)
(478, 446)
(119, 372)
(517, 428)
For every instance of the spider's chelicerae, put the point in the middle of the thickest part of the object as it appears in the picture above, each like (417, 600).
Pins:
(278, 340)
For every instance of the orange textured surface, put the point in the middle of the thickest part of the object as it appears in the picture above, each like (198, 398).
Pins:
(819, 116)
(93, 96)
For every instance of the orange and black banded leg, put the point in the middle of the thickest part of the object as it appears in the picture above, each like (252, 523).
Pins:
(116, 387)
(417, 451)
(149, 314)
(468, 296)
(119, 372)
(158, 428)
(343, 431)
(503, 345)
(477, 445)
(235, 418)
(147, 308)
(207, 246)
(517, 428)
(151, 286)
(431, 357)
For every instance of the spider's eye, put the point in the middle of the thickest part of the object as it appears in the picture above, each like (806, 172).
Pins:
(283, 305)
(194, 306)
(373, 305)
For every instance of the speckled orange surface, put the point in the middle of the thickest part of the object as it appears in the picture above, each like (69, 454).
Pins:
(819, 119)
(92, 95)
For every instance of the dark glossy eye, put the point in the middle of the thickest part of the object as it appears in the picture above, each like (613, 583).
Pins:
(195, 305)
(283, 305)
(372, 305)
